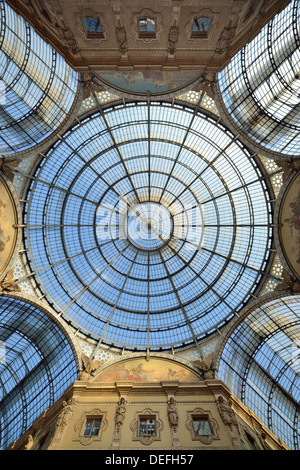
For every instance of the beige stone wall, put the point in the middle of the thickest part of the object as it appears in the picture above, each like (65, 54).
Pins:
(232, 424)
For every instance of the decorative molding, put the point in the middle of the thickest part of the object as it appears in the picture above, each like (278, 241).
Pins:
(146, 440)
(147, 13)
(80, 426)
(206, 414)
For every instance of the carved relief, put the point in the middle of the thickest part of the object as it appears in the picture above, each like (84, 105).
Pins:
(120, 415)
(173, 421)
(145, 415)
(121, 37)
(89, 84)
(226, 37)
(56, 21)
(227, 413)
(172, 39)
(64, 417)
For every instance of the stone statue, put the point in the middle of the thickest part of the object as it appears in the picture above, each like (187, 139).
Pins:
(89, 366)
(120, 414)
(121, 37)
(288, 284)
(7, 168)
(172, 39)
(206, 367)
(8, 284)
(64, 416)
(226, 412)
(288, 167)
(172, 414)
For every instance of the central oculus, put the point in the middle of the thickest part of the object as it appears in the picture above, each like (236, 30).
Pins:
(149, 225)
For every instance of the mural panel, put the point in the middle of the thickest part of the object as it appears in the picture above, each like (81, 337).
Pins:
(8, 234)
(142, 371)
(155, 81)
(290, 225)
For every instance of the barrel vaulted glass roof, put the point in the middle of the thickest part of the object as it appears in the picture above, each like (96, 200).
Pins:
(148, 226)
(260, 87)
(37, 87)
(36, 366)
(260, 363)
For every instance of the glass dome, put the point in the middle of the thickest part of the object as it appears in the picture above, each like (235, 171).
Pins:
(148, 226)
(260, 363)
(37, 87)
(260, 87)
(37, 364)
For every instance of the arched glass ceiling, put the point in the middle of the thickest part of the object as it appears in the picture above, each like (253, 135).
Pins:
(37, 365)
(260, 87)
(147, 226)
(38, 88)
(261, 364)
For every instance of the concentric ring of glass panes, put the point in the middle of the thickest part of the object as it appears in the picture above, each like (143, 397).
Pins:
(109, 287)
(149, 225)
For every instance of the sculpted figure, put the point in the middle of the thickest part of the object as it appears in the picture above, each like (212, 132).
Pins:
(8, 284)
(172, 414)
(120, 414)
(89, 366)
(206, 367)
(64, 416)
(227, 412)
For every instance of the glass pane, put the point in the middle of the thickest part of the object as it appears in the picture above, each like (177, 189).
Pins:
(202, 427)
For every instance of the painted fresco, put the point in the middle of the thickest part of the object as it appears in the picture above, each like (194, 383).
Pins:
(7, 232)
(142, 81)
(142, 371)
(290, 225)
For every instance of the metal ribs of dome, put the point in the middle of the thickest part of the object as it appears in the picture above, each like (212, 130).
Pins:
(192, 284)
(37, 88)
(259, 90)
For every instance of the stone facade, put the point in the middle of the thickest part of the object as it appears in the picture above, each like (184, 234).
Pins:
(192, 413)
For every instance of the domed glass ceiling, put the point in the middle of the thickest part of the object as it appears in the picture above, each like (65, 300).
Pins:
(148, 226)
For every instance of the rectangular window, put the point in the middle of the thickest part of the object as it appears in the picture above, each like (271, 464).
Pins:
(202, 426)
(92, 426)
(201, 27)
(93, 27)
(147, 27)
(147, 426)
